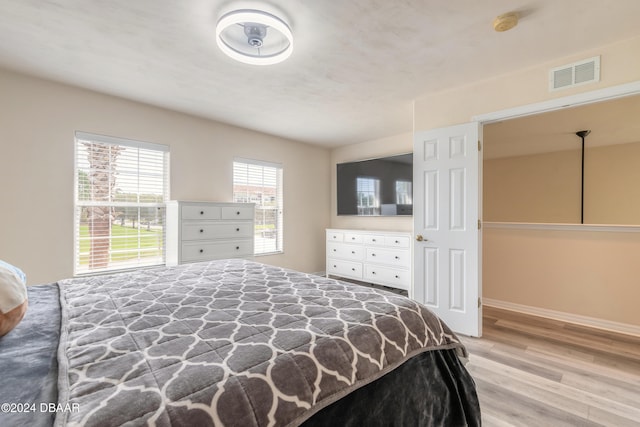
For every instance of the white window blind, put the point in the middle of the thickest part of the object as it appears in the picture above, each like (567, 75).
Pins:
(404, 193)
(261, 183)
(368, 196)
(121, 187)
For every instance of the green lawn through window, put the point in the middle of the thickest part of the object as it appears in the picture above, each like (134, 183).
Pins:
(126, 243)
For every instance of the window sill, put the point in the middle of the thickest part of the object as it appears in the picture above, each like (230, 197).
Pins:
(269, 253)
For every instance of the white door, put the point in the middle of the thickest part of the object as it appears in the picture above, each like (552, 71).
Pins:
(447, 180)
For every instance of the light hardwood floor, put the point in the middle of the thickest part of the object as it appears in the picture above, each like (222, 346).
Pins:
(532, 371)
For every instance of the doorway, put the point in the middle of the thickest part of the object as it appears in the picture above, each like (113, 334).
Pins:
(546, 230)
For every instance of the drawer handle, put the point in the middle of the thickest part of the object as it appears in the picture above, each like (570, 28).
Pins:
(201, 212)
(238, 213)
(353, 238)
(397, 257)
(237, 247)
(334, 266)
(201, 250)
(201, 230)
(373, 254)
(353, 252)
(373, 240)
(334, 250)
(373, 272)
(353, 269)
(397, 277)
(237, 229)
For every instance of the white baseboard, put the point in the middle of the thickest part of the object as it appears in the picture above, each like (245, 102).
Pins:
(622, 328)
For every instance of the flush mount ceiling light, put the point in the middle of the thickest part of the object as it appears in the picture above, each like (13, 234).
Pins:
(254, 37)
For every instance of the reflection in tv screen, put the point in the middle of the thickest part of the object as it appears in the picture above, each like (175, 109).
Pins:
(376, 187)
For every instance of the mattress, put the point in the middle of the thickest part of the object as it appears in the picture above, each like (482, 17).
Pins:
(232, 342)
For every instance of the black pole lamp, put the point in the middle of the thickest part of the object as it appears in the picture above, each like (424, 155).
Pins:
(582, 134)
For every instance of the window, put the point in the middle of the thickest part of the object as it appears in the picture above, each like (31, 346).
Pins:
(261, 183)
(121, 187)
(368, 190)
(404, 193)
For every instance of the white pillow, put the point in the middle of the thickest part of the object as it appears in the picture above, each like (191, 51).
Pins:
(13, 289)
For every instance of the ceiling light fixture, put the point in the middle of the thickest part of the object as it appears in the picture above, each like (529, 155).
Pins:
(254, 37)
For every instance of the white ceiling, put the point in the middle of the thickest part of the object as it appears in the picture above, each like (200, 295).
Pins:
(357, 65)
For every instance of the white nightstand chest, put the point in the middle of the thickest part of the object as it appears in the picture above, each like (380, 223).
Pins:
(202, 231)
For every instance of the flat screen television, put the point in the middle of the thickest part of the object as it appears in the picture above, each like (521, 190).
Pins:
(376, 187)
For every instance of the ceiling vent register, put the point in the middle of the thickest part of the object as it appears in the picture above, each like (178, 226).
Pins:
(576, 74)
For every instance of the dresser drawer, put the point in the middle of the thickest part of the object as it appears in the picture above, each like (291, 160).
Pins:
(390, 276)
(202, 251)
(334, 236)
(237, 212)
(344, 251)
(344, 268)
(208, 230)
(352, 238)
(397, 257)
(200, 212)
(397, 241)
(374, 240)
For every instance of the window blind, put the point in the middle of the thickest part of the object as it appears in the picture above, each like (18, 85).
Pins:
(404, 193)
(260, 182)
(368, 191)
(121, 187)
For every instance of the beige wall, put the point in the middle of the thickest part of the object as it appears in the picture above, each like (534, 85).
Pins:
(534, 188)
(545, 188)
(398, 144)
(37, 123)
(560, 282)
(612, 184)
(588, 273)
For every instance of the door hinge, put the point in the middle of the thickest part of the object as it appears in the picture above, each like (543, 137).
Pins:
(479, 146)
(479, 224)
(479, 302)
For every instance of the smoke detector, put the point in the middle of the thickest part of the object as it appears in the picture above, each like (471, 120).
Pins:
(505, 22)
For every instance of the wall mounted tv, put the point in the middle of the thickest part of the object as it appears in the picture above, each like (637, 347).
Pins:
(376, 187)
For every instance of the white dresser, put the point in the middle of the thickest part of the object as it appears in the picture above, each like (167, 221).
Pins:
(379, 257)
(202, 231)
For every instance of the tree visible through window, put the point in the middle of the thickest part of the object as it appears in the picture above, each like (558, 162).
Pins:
(121, 190)
(261, 183)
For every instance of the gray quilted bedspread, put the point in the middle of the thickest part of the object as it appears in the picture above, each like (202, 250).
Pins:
(230, 342)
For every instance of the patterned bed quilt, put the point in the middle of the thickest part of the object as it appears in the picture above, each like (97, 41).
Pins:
(229, 342)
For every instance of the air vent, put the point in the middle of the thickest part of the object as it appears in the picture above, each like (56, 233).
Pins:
(578, 73)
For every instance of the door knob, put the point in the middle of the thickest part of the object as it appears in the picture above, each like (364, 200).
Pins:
(419, 238)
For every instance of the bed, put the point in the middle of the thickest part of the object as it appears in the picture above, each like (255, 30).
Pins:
(230, 342)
